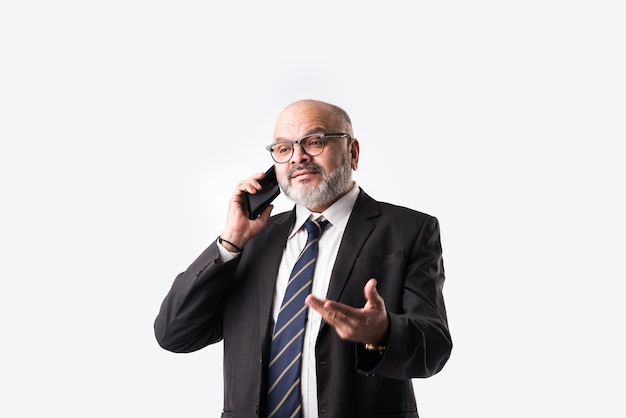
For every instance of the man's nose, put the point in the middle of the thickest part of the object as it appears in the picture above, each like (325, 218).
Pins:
(299, 155)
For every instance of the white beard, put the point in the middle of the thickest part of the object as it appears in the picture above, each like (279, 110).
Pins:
(333, 185)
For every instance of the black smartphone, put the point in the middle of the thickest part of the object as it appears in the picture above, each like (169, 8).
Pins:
(257, 202)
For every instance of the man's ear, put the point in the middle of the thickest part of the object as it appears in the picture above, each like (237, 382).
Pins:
(354, 149)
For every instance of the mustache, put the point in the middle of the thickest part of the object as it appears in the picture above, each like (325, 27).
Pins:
(305, 166)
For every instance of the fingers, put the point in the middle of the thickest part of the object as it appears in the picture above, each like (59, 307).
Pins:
(267, 212)
(335, 314)
(374, 300)
(330, 317)
(315, 303)
(238, 225)
(251, 184)
(367, 325)
(323, 307)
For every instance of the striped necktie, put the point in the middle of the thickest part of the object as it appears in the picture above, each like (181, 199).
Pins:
(283, 396)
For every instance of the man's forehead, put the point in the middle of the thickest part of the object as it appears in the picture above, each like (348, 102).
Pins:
(306, 120)
(302, 127)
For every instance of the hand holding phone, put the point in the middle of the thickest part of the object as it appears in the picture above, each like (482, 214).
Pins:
(257, 202)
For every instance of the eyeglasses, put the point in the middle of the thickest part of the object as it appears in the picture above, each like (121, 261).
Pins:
(312, 145)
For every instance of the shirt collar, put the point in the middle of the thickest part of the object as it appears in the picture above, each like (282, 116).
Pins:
(337, 214)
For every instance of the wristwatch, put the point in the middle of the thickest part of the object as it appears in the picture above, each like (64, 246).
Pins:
(373, 347)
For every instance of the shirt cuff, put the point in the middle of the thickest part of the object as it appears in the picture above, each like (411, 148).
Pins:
(226, 255)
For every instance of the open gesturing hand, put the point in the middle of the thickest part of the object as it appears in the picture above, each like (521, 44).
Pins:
(367, 325)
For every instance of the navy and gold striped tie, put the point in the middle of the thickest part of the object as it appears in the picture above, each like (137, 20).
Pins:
(283, 396)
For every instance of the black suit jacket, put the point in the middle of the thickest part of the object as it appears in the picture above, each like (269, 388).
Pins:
(401, 248)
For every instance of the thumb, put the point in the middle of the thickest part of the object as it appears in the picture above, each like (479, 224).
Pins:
(374, 300)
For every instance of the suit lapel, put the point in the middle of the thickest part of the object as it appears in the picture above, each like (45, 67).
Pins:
(359, 227)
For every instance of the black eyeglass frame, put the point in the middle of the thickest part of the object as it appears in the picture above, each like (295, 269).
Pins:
(322, 137)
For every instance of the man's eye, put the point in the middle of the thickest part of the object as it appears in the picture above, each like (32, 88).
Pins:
(281, 149)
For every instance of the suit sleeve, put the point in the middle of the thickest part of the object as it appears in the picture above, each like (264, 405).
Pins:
(190, 316)
(419, 342)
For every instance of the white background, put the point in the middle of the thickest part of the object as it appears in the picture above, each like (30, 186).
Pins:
(125, 125)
